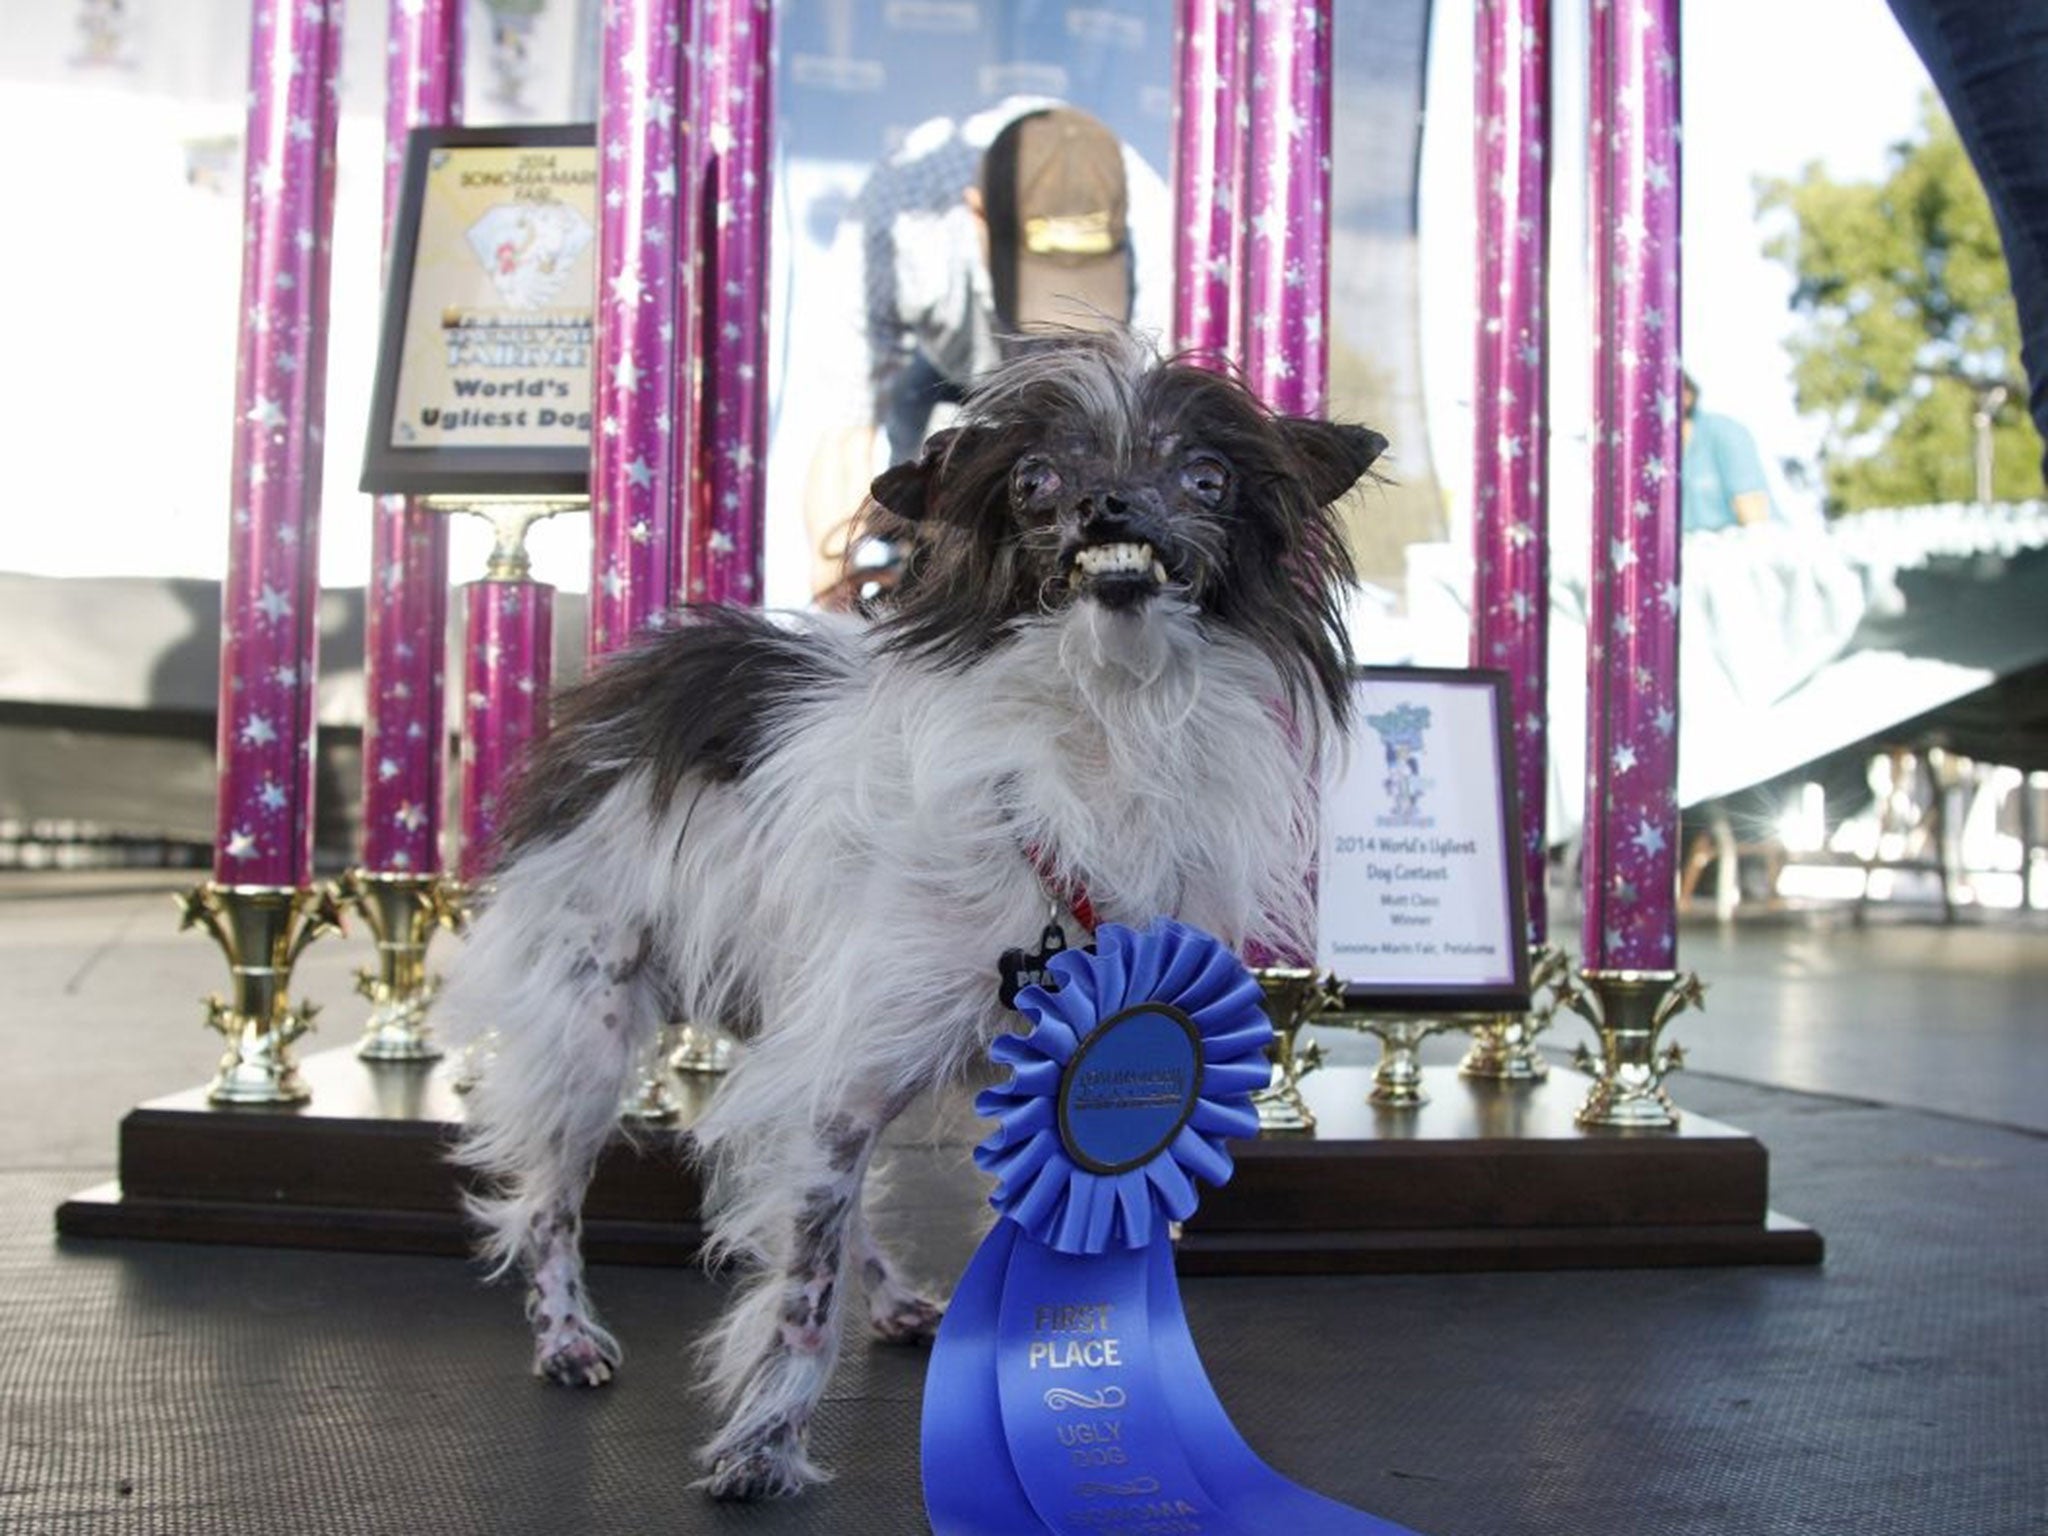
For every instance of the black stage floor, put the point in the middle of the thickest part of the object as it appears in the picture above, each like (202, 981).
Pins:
(1899, 1076)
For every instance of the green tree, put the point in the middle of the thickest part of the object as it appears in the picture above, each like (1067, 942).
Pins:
(1907, 330)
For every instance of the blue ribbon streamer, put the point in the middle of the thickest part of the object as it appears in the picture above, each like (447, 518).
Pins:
(1065, 1393)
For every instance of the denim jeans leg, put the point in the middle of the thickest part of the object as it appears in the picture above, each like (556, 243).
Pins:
(1989, 61)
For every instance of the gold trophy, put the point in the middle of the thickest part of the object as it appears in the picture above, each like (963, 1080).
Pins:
(1294, 996)
(1397, 1080)
(1504, 1044)
(1628, 1010)
(263, 930)
(510, 517)
(702, 1048)
(651, 1100)
(403, 913)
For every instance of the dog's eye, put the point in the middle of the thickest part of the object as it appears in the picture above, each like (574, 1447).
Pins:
(1034, 481)
(1205, 478)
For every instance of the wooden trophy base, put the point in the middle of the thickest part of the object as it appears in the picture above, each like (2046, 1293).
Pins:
(1487, 1176)
(364, 1166)
(1483, 1177)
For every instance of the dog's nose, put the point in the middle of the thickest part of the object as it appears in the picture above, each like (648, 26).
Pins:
(1102, 509)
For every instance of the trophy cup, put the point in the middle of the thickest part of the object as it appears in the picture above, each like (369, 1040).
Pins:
(1504, 1044)
(262, 931)
(702, 1048)
(651, 1100)
(403, 912)
(1294, 996)
(1628, 1010)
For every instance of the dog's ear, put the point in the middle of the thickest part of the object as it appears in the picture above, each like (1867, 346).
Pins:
(1334, 454)
(905, 488)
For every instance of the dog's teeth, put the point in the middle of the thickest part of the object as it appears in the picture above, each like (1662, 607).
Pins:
(1158, 574)
(1106, 559)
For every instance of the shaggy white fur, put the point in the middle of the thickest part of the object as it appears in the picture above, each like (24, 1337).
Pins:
(847, 895)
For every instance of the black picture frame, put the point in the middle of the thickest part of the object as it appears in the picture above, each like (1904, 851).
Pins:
(1364, 994)
(523, 469)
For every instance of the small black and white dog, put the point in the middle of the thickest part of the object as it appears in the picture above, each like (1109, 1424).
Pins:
(1103, 682)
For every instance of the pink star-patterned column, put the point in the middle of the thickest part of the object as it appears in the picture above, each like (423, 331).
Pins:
(406, 625)
(1287, 187)
(1208, 165)
(724, 563)
(1511, 388)
(644, 339)
(269, 661)
(507, 669)
(1631, 852)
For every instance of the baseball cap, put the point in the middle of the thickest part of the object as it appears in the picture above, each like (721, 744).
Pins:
(1052, 187)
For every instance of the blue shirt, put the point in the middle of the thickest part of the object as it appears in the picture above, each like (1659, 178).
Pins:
(1721, 464)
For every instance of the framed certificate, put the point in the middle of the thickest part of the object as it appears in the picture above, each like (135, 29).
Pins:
(1420, 906)
(484, 360)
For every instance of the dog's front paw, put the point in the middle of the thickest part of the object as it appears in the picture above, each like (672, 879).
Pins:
(571, 1355)
(907, 1319)
(769, 1465)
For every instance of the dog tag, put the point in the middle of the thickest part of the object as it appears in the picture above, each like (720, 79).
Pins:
(1030, 968)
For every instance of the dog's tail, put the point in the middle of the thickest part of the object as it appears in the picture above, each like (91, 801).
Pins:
(564, 1005)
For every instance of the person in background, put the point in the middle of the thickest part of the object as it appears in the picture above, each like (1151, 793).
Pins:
(1723, 483)
(1032, 216)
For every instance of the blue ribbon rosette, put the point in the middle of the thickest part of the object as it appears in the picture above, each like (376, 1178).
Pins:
(1065, 1393)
